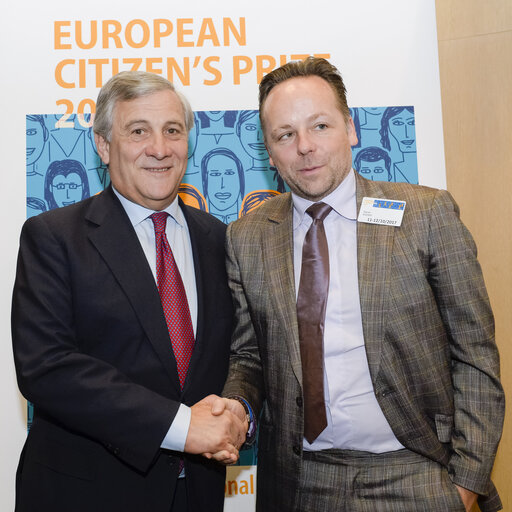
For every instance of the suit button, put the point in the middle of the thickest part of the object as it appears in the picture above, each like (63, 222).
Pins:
(299, 401)
(296, 449)
(385, 392)
(171, 460)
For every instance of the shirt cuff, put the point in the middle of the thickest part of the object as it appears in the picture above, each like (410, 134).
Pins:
(177, 434)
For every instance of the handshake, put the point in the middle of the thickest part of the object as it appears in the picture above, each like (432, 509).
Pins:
(218, 427)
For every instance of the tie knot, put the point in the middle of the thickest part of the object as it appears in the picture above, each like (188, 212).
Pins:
(319, 211)
(159, 221)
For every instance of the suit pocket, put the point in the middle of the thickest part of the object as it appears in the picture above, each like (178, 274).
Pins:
(444, 427)
(61, 458)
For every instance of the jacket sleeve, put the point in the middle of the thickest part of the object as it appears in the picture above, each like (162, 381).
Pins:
(245, 378)
(82, 391)
(456, 280)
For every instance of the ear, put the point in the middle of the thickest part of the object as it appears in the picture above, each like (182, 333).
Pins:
(351, 131)
(269, 155)
(103, 147)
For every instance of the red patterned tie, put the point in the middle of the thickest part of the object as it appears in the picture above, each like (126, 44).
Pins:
(174, 298)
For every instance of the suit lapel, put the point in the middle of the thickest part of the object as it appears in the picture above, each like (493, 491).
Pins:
(374, 248)
(199, 238)
(278, 265)
(115, 239)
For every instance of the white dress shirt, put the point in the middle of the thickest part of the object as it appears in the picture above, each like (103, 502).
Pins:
(178, 237)
(354, 418)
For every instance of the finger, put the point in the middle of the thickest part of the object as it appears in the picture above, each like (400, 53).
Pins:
(218, 406)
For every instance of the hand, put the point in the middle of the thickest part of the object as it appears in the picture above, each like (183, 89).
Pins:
(219, 406)
(468, 497)
(221, 433)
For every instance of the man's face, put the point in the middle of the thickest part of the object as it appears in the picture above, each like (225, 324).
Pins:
(223, 182)
(147, 153)
(308, 139)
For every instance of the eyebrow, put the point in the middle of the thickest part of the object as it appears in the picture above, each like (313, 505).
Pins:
(145, 121)
(310, 119)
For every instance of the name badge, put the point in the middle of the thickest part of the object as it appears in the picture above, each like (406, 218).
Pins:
(386, 212)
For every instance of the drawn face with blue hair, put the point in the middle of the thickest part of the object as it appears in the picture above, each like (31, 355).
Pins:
(403, 130)
(248, 128)
(223, 178)
(66, 183)
(37, 135)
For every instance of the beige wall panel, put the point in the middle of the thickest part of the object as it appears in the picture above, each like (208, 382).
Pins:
(463, 18)
(476, 89)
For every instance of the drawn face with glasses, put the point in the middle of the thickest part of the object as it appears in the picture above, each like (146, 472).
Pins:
(65, 183)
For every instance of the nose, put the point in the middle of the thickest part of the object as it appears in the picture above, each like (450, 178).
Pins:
(409, 132)
(222, 183)
(157, 146)
(305, 143)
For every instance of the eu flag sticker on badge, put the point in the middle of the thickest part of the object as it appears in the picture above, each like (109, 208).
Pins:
(386, 212)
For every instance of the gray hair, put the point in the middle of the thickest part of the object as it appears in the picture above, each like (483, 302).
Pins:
(129, 85)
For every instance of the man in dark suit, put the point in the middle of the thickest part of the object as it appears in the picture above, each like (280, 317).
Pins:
(112, 378)
(380, 391)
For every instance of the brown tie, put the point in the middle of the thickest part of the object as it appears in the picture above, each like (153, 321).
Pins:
(311, 304)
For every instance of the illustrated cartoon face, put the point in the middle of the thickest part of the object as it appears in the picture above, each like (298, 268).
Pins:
(372, 110)
(223, 182)
(251, 138)
(375, 171)
(309, 139)
(215, 115)
(35, 141)
(68, 189)
(402, 128)
(147, 153)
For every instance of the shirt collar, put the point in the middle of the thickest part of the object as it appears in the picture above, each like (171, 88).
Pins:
(137, 213)
(342, 200)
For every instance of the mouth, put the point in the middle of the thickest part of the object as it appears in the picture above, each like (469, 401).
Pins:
(223, 196)
(309, 170)
(407, 142)
(157, 169)
(30, 151)
(67, 203)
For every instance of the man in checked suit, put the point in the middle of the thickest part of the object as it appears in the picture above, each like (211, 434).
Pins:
(411, 401)
(115, 428)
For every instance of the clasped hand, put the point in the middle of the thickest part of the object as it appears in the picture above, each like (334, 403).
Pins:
(218, 427)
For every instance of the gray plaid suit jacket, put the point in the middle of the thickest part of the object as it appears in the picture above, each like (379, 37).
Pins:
(428, 329)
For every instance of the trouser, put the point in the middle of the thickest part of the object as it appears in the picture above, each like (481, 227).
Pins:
(353, 481)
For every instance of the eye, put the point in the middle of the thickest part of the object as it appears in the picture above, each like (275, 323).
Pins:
(321, 126)
(138, 131)
(397, 122)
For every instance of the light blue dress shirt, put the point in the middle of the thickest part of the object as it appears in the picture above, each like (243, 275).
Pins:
(354, 418)
(178, 237)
